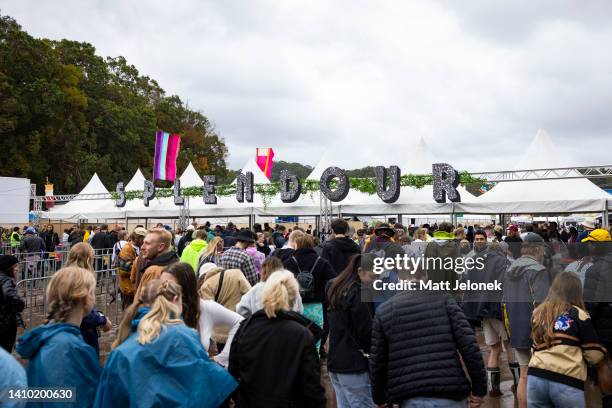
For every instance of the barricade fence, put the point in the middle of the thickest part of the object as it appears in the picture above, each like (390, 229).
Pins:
(36, 270)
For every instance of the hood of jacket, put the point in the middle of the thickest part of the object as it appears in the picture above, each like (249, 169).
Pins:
(284, 253)
(198, 244)
(140, 313)
(441, 236)
(520, 266)
(165, 259)
(32, 341)
(343, 244)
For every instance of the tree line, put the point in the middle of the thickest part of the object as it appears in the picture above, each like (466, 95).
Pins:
(66, 112)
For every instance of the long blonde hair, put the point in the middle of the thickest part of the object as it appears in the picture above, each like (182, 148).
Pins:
(163, 311)
(211, 249)
(279, 292)
(147, 296)
(81, 255)
(565, 292)
(67, 289)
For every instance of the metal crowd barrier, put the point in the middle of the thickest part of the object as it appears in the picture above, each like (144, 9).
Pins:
(36, 272)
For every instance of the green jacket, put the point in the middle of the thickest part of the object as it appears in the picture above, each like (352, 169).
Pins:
(191, 253)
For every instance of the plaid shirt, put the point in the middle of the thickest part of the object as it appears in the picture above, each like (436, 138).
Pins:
(237, 258)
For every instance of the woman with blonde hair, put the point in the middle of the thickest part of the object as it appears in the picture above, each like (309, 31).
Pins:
(273, 355)
(82, 255)
(252, 302)
(212, 253)
(564, 341)
(58, 356)
(161, 362)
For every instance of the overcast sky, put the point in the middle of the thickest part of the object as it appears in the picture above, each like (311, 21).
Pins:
(364, 80)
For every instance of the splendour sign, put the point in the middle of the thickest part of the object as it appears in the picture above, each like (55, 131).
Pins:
(334, 184)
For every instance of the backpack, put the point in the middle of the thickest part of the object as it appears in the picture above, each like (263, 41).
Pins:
(306, 280)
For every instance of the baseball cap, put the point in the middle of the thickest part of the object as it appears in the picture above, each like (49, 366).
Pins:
(532, 238)
(513, 228)
(598, 235)
(140, 231)
(190, 228)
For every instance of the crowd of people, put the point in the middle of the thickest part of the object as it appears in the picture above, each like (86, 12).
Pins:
(215, 316)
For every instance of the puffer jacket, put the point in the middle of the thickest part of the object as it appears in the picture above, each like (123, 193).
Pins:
(598, 297)
(526, 285)
(416, 341)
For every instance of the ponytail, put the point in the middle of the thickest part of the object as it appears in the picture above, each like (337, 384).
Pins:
(279, 293)
(146, 298)
(162, 312)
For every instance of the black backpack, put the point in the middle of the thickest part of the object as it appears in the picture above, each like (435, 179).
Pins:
(306, 281)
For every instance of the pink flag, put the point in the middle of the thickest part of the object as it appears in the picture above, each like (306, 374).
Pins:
(166, 151)
(264, 157)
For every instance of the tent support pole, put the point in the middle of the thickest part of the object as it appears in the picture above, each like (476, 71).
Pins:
(400, 219)
(604, 219)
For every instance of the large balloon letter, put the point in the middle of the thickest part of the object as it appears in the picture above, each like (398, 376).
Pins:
(445, 183)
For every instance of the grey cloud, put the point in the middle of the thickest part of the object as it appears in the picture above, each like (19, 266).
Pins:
(365, 80)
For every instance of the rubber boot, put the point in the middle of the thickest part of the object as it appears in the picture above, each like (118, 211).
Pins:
(493, 382)
(515, 369)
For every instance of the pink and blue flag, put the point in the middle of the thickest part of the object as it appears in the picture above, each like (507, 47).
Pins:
(166, 152)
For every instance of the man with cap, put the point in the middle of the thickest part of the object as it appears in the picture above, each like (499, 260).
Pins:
(11, 304)
(526, 285)
(383, 246)
(125, 259)
(237, 258)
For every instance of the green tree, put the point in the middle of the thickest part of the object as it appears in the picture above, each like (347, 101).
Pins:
(66, 112)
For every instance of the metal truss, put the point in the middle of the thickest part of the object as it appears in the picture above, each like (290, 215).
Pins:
(326, 213)
(591, 172)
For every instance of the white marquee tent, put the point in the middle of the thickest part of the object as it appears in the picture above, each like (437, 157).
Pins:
(577, 195)
(79, 207)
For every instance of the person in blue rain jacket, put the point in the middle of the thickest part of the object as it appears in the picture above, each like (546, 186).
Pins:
(58, 356)
(13, 378)
(161, 362)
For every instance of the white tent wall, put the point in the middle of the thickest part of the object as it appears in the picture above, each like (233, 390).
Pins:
(14, 200)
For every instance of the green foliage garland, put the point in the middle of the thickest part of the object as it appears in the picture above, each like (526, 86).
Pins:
(268, 191)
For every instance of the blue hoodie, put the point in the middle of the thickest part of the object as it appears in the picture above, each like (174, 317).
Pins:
(60, 358)
(171, 371)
